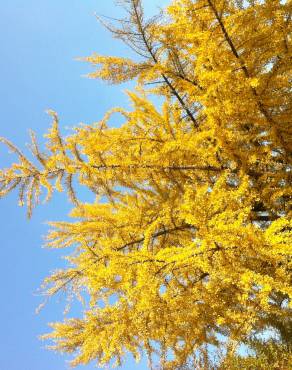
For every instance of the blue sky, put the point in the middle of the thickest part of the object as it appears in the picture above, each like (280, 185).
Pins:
(39, 43)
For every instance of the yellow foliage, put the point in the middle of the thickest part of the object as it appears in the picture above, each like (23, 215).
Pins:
(190, 231)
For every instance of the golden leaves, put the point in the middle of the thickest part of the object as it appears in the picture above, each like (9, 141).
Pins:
(189, 235)
(114, 69)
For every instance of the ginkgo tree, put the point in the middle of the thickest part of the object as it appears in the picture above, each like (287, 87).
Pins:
(190, 230)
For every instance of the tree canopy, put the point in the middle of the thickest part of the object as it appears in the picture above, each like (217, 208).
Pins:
(188, 242)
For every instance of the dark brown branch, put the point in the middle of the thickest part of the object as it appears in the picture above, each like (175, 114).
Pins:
(227, 37)
(149, 260)
(155, 235)
(189, 80)
(156, 167)
(246, 73)
(150, 50)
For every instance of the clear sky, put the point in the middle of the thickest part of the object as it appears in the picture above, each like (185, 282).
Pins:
(39, 41)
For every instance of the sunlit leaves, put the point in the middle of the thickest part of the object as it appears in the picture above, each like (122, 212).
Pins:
(187, 243)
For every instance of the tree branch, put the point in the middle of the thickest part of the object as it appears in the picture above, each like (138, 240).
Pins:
(150, 50)
(247, 75)
(155, 235)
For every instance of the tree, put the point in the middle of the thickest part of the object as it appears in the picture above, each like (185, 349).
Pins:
(266, 355)
(188, 242)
